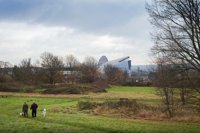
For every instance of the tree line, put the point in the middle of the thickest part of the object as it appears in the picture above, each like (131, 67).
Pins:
(52, 69)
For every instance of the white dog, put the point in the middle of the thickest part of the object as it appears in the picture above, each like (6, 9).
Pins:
(21, 114)
(44, 111)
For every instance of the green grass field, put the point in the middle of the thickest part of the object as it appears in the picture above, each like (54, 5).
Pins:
(63, 116)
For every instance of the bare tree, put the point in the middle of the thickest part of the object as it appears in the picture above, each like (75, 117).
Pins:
(176, 34)
(23, 72)
(89, 70)
(5, 68)
(72, 65)
(52, 65)
(71, 61)
(177, 31)
(165, 81)
(114, 75)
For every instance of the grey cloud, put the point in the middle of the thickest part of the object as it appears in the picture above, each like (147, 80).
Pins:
(91, 20)
(99, 16)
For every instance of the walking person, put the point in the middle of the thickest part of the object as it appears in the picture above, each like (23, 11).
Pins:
(25, 109)
(34, 107)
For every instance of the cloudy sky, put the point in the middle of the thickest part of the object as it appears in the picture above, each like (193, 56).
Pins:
(114, 28)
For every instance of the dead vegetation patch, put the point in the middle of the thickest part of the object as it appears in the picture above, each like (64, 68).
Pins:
(59, 88)
(63, 109)
(95, 87)
(16, 87)
(131, 109)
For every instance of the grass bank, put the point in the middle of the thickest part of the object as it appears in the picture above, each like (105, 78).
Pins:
(63, 115)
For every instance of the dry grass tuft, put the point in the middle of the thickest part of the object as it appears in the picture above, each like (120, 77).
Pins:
(131, 109)
(63, 109)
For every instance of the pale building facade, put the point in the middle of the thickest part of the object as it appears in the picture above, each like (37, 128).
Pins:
(123, 63)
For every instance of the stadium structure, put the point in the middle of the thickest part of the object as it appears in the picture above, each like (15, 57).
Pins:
(123, 63)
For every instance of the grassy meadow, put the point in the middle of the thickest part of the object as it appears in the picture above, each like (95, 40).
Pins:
(64, 117)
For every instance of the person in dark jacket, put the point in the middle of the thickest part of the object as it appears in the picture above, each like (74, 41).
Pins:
(34, 107)
(25, 109)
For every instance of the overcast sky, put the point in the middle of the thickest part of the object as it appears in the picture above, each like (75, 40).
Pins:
(114, 28)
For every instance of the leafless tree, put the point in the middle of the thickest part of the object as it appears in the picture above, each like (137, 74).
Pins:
(177, 31)
(72, 65)
(52, 65)
(89, 70)
(176, 34)
(114, 75)
(71, 61)
(165, 81)
(23, 72)
(5, 71)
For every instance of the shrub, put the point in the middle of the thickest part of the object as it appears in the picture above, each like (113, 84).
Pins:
(86, 105)
(74, 88)
(100, 86)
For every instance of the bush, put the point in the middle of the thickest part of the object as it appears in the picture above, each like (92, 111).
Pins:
(86, 105)
(74, 88)
(122, 102)
(16, 87)
(62, 90)
(100, 86)
(124, 107)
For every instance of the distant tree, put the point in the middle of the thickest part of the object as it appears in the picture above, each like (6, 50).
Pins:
(114, 75)
(52, 65)
(72, 65)
(165, 80)
(71, 61)
(23, 72)
(26, 68)
(176, 87)
(5, 68)
(89, 70)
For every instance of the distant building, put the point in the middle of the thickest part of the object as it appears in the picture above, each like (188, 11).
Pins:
(123, 63)
(102, 60)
